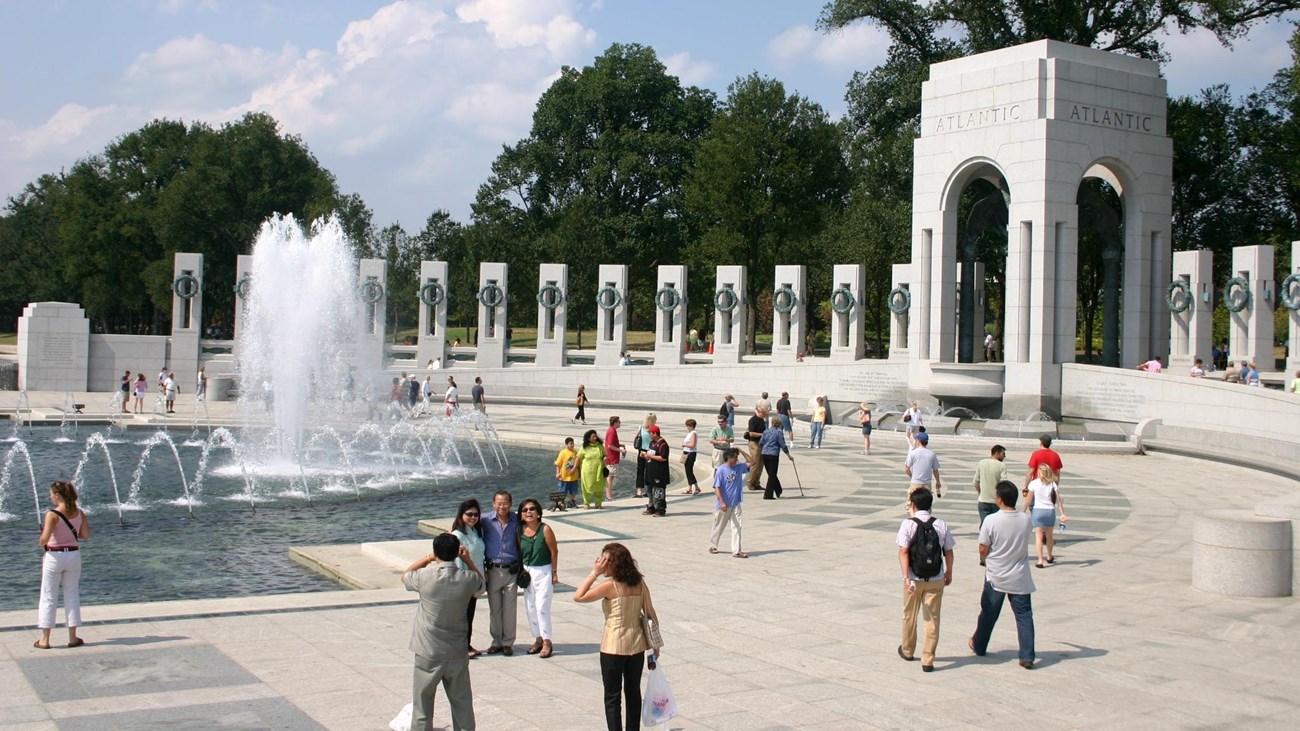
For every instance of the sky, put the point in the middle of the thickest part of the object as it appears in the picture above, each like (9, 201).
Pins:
(408, 102)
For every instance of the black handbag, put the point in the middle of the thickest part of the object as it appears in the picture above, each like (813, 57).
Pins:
(523, 578)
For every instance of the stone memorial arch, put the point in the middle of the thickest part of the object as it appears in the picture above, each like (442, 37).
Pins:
(1037, 122)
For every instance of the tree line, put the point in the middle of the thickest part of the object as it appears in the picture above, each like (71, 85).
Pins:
(623, 164)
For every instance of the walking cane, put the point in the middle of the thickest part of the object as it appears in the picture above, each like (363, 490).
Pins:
(796, 477)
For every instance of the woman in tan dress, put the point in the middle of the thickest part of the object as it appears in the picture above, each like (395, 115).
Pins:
(623, 645)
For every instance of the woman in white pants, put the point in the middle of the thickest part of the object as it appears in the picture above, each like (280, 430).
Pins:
(540, 557)
(61, 568)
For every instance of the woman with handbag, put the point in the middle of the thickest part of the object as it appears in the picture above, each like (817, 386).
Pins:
(912, 420)
(469, 530)
(581, 401)
(625, 599)
(64, 526)
(540, 556)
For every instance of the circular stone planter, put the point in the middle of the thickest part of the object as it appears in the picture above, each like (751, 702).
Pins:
(1238, 553)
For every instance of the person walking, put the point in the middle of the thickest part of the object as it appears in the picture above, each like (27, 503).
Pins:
(614, 451)
(426, 390)
(656, 473)
(125, 389)
(566, 472)
(438, 634)
(141, 388)
(590, 464)
(540, 555)
(784, 411)
(988, 473)
(922, 467)
(451, 398)
(1045, 455)
(864, 417)
(1044, 506)
(469, 531)
(728, 488)
(722, 438)
(912, 419)
(1004, 547)
(581, 401)
(623, 644)
(925, 550)
(62, 530)
(753, 435)
(690, 450)
(477, 396)
(817, 424)
(201, 384)
(770, 447)
(501, 551)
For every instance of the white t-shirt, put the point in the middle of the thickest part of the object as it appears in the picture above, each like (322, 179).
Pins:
(1007, 534)
(1044, 494)
(923, 463)
(452, 396)
(914, 423)
(689, 441)
(1197, 371)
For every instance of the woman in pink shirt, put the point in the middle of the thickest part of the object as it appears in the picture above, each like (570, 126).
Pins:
(61, 568)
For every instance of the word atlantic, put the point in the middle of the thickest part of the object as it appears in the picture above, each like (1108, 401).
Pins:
(1116, 118)
(978, 118)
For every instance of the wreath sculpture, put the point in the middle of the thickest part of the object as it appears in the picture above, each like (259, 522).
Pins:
(608, 298)
(491, 295)
(1291, 303)
(900, 300)
(185, 287)
(726, 300)
(784, 300)
(667, 299)
(842, 300)
(1236, 294)
(244, 286)
(550, 296)
(370, 291)
(1173, 301)
(432, 294)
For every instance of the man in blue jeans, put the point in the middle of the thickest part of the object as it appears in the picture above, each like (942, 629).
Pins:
(1004, 549)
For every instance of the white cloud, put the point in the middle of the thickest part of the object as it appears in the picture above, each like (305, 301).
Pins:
(858, 46)
(68, 128)
(546, 23)
(197, 70)
(1198, 60)
(690, 71)
(391, 27)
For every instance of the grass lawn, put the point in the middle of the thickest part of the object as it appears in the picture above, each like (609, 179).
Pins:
(8, 338)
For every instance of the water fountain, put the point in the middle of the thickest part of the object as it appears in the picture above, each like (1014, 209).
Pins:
(19, 449)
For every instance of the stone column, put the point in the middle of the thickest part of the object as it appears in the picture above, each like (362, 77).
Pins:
(670, 325)
(611, 314)
(372, 293)
(846, 327)
(53, 347)
(788, 327)
(187, 318)
(493, 296)
(1191, 331)
(432, 340)
(1250, 331)
(1293, 329)
(243, 290)
(552, 289)
(900, 281)
(730, 329)
(977, 313)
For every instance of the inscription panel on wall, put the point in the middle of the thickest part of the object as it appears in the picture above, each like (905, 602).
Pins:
(56, 349)
(1108, 398)
(871, 383)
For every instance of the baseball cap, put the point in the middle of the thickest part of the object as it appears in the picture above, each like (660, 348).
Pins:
(654, 429)
(923, 438)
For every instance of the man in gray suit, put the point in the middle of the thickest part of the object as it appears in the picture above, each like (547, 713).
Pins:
(438, 637)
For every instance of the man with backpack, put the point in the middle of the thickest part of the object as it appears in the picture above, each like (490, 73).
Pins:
(925, 556)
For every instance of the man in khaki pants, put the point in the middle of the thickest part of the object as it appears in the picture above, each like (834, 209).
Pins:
(925, 556)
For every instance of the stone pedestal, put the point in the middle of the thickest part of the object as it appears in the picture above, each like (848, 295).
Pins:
(372, 282)
(846, 327)
(1250, 331)
(187, 317)
(243, 290)
(899, 298)
(1191, 331)
(493, 296)
(788, 326)
(1238, 553)
(1293, 328)
(670, 324)
(553, 290)
(611, 314)
(730, 328)
(432, 340)
(53, 347)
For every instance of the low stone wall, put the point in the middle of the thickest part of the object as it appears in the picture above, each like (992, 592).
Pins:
(112, 354)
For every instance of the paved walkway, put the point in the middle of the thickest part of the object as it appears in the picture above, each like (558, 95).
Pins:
(800, 635)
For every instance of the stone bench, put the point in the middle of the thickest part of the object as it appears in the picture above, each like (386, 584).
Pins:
(1239, 553)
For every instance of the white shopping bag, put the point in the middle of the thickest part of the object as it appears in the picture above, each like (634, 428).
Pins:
(658, 705)
(403, 720)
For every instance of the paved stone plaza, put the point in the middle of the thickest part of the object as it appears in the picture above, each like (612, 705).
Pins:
(800, 635)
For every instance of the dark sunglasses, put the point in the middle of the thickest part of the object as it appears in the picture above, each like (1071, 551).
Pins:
(529, 510)
(468, 514)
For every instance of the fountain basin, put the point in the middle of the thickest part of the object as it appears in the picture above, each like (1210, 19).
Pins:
(966, 382)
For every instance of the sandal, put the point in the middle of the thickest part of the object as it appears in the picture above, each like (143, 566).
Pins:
(741, 554)
(1041, 565)
(77, 642)
(712, 549)
(536, 648)
(1051, 559)
(546, 648)
(687, 491)
(37, 644)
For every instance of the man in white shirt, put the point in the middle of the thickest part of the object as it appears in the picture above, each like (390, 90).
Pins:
(926, 561)
(922, 466)
(1004, 549)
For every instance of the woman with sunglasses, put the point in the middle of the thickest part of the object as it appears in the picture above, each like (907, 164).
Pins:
(469, 530)
(540, 556)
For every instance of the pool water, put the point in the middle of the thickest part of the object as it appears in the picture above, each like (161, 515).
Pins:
(157, 552)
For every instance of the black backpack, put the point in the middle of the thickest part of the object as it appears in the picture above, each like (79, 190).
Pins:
(925, 552)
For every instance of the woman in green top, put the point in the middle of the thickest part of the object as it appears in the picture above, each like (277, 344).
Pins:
(591, 464)
(540, 556)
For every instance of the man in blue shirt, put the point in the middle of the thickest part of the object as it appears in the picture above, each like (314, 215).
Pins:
(729, 488)
(501, 553)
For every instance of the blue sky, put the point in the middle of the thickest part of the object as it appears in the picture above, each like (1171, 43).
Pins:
(408, 102)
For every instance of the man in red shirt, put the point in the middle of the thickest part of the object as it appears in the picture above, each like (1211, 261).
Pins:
(613, 451)
(1046, 456)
